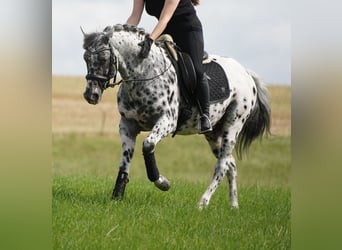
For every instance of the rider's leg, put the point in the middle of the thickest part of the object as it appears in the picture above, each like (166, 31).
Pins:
(202, 95)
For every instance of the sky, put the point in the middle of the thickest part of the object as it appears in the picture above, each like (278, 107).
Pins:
(256, 33)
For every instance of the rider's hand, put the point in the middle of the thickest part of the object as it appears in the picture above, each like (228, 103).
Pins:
(145, 46)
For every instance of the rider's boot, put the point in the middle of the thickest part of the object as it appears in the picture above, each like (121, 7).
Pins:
(202, 95)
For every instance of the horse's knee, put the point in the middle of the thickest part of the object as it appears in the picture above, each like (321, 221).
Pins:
(148, 147)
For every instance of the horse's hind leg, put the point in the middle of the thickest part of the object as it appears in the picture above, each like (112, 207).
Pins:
(214, 139)
(225, 165)
(232, 176)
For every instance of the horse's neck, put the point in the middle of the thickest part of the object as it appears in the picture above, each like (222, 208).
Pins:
(130, 65)
(126, 43)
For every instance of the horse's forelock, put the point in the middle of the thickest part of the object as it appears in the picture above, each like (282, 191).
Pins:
(91, 39)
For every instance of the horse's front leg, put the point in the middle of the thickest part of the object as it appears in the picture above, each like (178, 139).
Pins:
(128, 133)
(162, 128)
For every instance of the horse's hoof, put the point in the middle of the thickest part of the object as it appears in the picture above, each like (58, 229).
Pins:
(117, 197)
(162, 183)
(202, 204)
(234, 205)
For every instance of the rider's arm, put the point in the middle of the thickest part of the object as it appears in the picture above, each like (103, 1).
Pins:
(138, 7)
(165, 16)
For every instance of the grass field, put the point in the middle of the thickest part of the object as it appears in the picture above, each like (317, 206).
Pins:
(85, 218)
(86, 151)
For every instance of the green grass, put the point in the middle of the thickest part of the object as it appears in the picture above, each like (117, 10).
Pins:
(84, 217)
(187, 157)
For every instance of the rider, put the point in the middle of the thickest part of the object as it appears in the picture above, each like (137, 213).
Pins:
(178, 18)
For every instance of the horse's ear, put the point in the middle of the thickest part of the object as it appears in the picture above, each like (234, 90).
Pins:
(84, 34)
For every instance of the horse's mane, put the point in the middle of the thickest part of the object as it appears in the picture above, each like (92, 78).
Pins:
(94, 37)
(128, 28)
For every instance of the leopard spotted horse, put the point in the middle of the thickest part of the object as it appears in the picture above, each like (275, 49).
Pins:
(149, 99)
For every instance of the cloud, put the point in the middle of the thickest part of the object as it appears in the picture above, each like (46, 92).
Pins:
(256, 33)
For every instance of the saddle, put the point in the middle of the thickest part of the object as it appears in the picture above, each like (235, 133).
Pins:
(182, 62)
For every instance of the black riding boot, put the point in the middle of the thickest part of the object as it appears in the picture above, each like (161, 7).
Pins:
(202, 95)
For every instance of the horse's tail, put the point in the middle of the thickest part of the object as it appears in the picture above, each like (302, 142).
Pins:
(259, 121)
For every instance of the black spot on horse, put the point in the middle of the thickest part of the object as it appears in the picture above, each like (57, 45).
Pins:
(138, 103)
(171, 97)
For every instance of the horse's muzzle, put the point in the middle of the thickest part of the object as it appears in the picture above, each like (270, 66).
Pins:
(92, 95)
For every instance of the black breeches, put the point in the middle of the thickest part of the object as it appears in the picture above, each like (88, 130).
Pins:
(187, 34)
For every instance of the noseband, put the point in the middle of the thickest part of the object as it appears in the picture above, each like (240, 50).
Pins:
(112, 72)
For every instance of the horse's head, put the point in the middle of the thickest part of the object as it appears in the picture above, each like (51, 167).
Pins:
(101, 63)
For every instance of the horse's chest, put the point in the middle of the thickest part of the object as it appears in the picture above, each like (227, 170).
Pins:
(145, 106)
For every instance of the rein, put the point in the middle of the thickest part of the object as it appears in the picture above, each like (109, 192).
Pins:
(114, 64)
(151, 78)
(146, 79)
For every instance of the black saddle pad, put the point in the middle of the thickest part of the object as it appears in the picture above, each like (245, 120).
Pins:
(218, 82)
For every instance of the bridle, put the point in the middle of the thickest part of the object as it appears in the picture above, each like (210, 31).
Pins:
(113, 70)
(104, 80)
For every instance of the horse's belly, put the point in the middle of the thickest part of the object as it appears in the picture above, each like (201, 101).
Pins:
(217, 111)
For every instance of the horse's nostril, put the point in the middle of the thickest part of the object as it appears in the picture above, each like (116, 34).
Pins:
(94, 96)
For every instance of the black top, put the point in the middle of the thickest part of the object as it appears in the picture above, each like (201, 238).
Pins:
(155, 7)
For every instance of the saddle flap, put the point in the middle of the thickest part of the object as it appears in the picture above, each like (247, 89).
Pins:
(187, 70)
(167, 40)
(182, 61)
